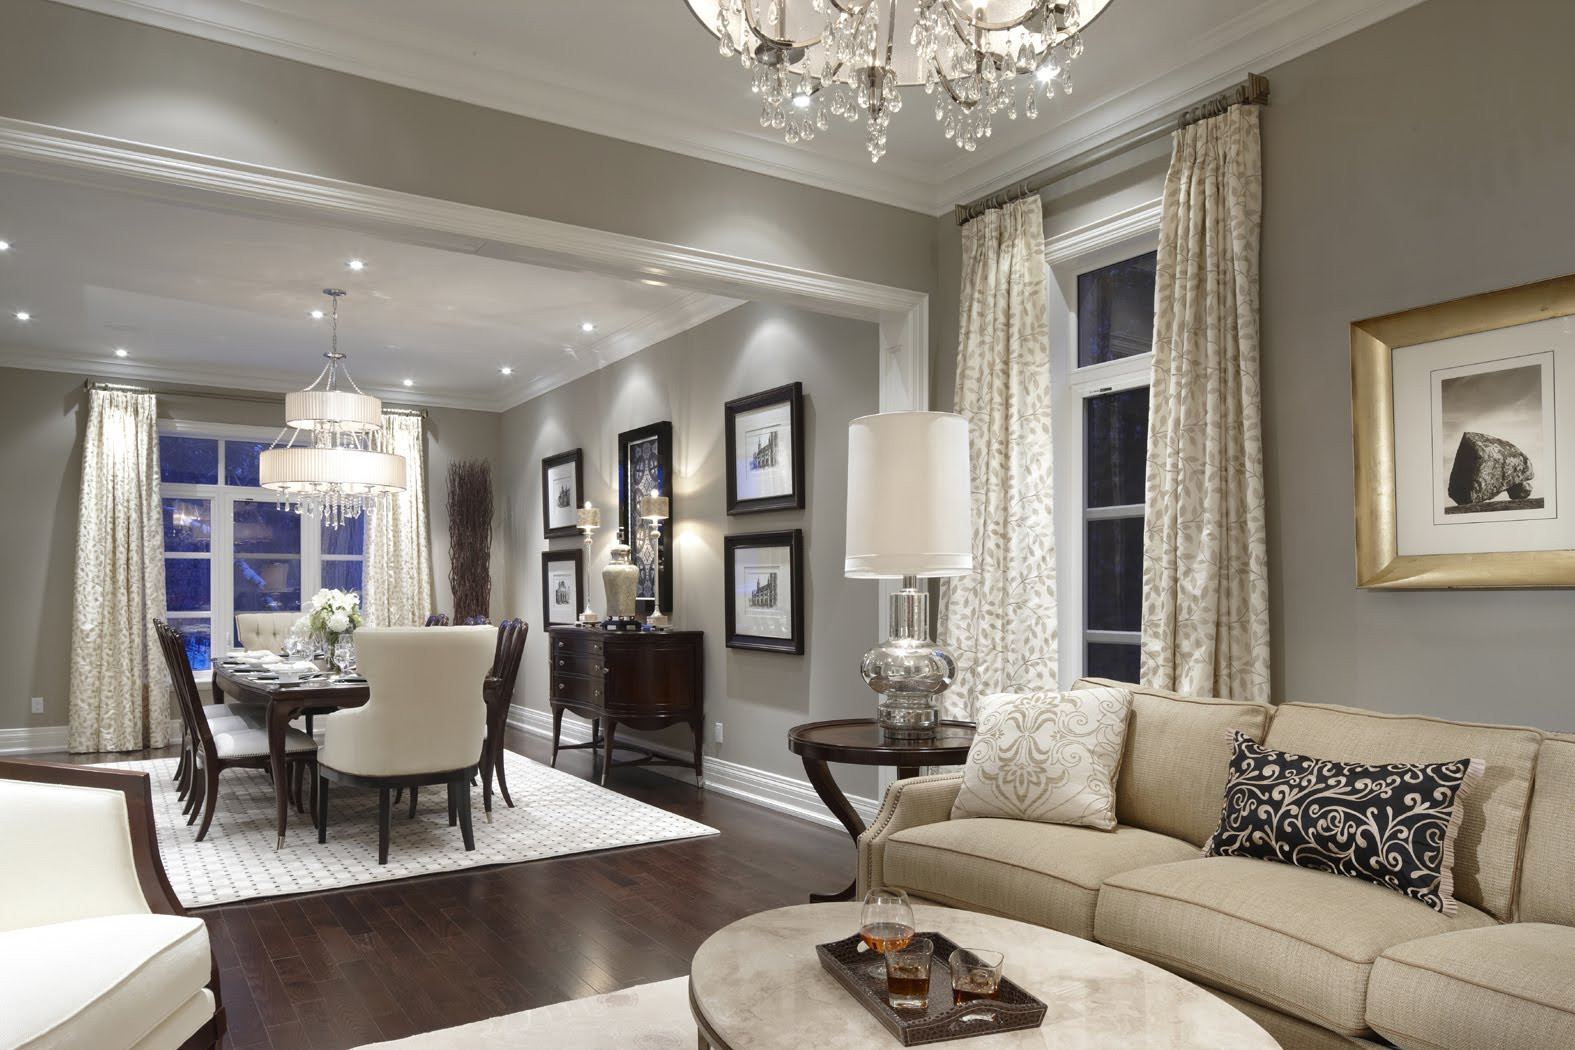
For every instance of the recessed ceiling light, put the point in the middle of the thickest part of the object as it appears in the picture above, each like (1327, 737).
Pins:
(586, 326)
(121, 351)
(653, 282)
(506, 370)
(410, 382)
(23, 315)
(317, 315)
(356, 264)
(5, 246)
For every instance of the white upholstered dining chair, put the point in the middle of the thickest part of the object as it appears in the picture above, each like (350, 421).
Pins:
(264, 630)
(422, 725)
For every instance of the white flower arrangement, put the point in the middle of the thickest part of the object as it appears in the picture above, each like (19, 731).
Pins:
(333, 613)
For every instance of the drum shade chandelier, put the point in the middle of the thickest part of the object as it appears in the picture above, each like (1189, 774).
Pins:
(337, 470)
(816, 59)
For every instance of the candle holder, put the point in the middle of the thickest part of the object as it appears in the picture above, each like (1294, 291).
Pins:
(588, 520)
(655, 509)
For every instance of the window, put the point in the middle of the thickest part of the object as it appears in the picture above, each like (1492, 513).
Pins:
(1102, 306)
(228, 546)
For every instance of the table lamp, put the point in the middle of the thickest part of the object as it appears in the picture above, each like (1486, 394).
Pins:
(588, 519)
(655, 509)
(909, 518)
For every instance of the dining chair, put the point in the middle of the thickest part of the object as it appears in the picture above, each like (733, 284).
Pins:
(420, 726)
(437, 620)
(477, 621)
(224, 741)
(250, 714)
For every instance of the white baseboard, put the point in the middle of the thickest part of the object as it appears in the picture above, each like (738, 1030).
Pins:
(771, 790)
(32, 740)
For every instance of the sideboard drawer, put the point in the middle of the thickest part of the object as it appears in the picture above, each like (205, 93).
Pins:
(578, 643)
(590, 665)
(578, 689)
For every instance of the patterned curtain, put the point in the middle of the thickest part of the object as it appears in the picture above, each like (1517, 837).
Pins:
(120, 693)
(398, 545)
(1000, 622)
(1205, 562)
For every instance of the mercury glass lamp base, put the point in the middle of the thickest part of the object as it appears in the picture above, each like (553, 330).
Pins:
(907, 717)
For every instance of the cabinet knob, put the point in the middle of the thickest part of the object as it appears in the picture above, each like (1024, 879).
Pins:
(560, 662)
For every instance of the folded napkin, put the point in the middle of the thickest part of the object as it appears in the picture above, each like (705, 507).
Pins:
(262, 656)
(295, 665)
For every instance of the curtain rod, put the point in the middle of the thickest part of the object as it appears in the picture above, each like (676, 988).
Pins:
(1252, 91)
(220, 395)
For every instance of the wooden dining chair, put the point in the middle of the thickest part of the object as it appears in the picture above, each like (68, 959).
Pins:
(437, 620)
(477, 621)
(226, 741)
(499, 695)
(250, 714)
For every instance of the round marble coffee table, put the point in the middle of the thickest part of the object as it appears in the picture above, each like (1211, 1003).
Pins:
(758, 985)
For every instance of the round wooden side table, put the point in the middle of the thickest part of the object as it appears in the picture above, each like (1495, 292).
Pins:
(860, 742)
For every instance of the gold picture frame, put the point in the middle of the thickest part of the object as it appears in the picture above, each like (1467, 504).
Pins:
(1379, 561)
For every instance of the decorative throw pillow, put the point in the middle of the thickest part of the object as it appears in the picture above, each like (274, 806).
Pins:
(1394, 825)
(1049, 757)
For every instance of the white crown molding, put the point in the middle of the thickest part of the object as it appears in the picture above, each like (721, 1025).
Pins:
(772, 790)
(1106, 233)
(1271, 33)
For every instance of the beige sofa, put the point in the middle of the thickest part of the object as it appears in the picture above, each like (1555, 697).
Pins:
(1319, 960)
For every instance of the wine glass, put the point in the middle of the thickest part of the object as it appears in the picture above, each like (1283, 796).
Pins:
(344, 657)
(886, 924)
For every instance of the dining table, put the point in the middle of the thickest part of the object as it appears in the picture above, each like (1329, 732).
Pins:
(285, 701)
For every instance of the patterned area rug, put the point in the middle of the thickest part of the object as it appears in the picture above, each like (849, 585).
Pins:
(554, 814)
(646, 1017)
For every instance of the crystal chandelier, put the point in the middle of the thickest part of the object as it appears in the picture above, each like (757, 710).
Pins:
(338, 472)
(817, 59)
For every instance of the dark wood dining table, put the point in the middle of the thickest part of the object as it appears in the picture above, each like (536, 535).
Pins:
(286, 701)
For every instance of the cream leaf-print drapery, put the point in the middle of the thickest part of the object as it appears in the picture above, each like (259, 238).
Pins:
(1205, 560)
(1000, 622)
(120, 691)
(398, 567)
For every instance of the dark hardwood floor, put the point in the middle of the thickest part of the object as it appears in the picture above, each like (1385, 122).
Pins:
(330, 970)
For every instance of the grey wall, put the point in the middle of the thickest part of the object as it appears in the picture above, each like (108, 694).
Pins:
(687, 379)
(1425, 158)
(42, 418)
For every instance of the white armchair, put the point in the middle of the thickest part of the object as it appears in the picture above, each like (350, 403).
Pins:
(264, 630)
(95, 951)
(423, 724)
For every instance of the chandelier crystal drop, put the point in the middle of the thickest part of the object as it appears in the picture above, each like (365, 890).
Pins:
(340, 469)
(811, 60)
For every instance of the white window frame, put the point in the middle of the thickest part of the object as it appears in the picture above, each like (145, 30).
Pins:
(221, 553)
(1066, 258)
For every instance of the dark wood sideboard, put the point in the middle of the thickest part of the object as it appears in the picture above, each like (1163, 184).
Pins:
(638, 679)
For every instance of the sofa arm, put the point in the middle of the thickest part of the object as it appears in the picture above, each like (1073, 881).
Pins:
(908, 804)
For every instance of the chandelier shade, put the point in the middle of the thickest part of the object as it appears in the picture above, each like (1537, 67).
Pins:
(814, 59)
(308, 469)
(334, 409)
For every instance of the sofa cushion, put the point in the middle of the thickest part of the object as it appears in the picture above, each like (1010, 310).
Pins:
(1047, 874)
(1298, 940)
(1177, 749)
(1047, 757)
(1487, 849)
(1393, 825)
(1506, 986)
(100, 982)
(1547, 882)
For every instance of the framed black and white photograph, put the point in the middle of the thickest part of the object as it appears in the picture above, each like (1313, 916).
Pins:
(765, 591)
(562, 492)
(645, 468)
(1463, 442)
(562, 586)
(765, 451)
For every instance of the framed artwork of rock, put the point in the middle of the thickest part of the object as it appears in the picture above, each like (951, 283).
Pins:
(1464, 427)
(645, 468)
(562, 492)
(765, 591)
(765, 451)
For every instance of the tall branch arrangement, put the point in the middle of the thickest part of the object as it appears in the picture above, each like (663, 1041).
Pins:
(470, 537)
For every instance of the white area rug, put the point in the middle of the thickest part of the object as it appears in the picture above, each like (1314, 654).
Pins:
(646, 1017)
(554, 814)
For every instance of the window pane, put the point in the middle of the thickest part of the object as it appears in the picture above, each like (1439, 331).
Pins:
(1115, 431)
(1115, 311)
(187, 585)
(199, 643)
(188, 525)
(349, 538)
(267, 584)
(240, 462)
(188, 460)
(1110, 660)
(1114, 580)
(343, 575)
(264, 528)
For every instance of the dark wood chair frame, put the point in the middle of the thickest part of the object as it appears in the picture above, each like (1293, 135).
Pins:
(138, 791)
(203, 798)
(437, 620)
(458, 781)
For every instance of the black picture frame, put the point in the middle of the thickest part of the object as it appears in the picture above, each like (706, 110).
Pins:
(791, 395)
(646, 454)
(740, 637)
(576, 557)
(573, 458)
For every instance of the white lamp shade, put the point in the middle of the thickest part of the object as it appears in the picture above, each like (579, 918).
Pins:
(348, 470)
(342, 409)
(909, 502)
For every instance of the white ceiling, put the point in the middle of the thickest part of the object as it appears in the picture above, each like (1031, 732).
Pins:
(200, 296)
(658, 79)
